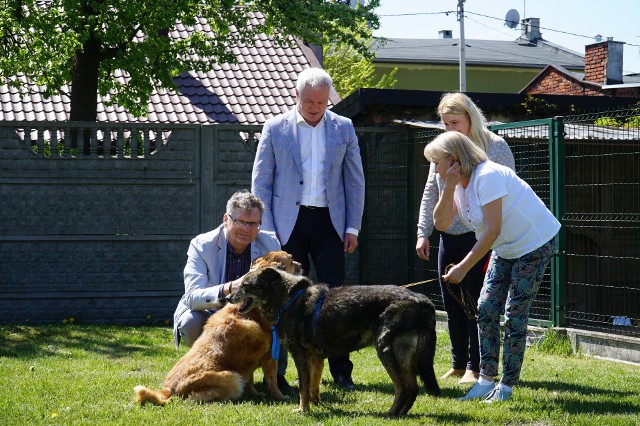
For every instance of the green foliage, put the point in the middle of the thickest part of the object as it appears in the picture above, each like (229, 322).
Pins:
(555, 343)
(46, 149)
(633, 121)
(538, 107)
(138, 139)
(629, 122)
(62, 42)
(607, 122)
(351, 70)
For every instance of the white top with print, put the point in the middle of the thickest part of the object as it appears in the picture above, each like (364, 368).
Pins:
(498, 152)
(526, 222)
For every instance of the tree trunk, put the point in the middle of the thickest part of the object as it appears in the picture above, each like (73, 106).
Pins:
(84, 92)
(84, 81)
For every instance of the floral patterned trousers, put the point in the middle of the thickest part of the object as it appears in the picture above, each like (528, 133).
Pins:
(510, 287)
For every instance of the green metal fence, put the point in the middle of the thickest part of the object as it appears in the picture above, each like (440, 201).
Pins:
(585, 168)
(535, 150)
(601, 218)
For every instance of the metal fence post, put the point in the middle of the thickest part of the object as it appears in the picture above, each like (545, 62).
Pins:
(557, 204)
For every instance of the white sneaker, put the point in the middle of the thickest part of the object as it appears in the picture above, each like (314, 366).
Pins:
(477, 391)
(497, 394)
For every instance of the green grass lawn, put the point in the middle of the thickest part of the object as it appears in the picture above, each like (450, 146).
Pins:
(84, 375)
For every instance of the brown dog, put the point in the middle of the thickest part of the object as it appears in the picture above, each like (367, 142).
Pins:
(315, 322)
(232, 346)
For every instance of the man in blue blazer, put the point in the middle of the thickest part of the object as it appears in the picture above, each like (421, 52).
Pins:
(308, 172)
(216, 262)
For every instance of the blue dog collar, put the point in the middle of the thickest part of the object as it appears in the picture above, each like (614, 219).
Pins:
(275, 342)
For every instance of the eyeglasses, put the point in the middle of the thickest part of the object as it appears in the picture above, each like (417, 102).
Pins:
(244, 224)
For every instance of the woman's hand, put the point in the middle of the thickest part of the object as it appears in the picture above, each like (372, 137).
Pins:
(454, 275)
(422, 248)
(452, 175)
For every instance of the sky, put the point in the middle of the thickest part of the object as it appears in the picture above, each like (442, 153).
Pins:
(569, 23)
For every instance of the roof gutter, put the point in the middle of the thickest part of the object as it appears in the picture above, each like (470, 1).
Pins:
(621, 86)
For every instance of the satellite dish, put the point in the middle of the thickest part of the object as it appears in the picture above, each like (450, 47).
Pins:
(512, 19)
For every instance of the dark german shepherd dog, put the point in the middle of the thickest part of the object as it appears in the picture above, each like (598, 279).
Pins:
(314, 322)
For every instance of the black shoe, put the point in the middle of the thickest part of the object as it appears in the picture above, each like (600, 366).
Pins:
(284, 387)
(345, 383)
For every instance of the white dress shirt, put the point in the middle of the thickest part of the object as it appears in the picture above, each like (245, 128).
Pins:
(313, 152)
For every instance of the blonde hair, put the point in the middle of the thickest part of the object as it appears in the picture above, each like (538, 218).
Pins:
(459, 147)
(459, 103)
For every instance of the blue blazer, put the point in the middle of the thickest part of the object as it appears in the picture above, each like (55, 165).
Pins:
(277, 174)
(206, 268)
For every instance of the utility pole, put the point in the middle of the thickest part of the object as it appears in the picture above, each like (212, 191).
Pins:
(463, 66)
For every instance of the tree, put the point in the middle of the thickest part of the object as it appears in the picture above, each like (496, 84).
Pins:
(123, 49)
(351, 69)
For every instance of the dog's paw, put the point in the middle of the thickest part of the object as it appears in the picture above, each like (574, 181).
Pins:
(302, 409)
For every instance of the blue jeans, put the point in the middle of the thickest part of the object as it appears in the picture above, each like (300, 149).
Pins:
(510, 287)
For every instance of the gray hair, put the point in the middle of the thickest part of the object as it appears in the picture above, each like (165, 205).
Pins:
(314, 78)
(459, 147)
(244, 200)
(458, 103)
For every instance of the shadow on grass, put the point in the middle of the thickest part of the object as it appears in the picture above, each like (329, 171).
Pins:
(387, 388)
(562, 397)
(333, 406)
(575, 398)
(333, 400)
(22, 341)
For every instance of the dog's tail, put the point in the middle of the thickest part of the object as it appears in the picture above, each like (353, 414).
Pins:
(426, 350)
(144, 395)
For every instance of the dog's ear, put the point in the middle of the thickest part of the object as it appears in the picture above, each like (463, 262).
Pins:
(269, 274)
(297, 282)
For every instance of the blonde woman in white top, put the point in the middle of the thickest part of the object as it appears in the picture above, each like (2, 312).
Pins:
(458, 113)
(510, 219)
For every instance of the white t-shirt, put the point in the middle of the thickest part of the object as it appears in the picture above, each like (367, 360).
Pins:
(526, 222)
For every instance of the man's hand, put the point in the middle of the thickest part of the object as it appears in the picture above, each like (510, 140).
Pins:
(422, 248)
(232, 286)
(350, 243)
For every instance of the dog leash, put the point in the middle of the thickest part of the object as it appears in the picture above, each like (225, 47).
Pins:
(446, 270)
(420, 282)
(465, 300)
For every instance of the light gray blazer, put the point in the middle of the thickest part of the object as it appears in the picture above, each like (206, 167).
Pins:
(206, 268)
(277, 174)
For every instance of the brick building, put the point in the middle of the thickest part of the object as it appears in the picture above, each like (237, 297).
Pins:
(602, 75)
